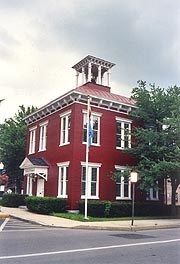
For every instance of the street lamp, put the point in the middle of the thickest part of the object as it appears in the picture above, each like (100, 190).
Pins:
(133, 179)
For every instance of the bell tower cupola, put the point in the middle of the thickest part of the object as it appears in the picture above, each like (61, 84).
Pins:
(92, 69)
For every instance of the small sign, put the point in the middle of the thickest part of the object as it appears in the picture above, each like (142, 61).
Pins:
(133, 176)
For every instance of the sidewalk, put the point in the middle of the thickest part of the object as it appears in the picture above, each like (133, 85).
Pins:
(46, 220)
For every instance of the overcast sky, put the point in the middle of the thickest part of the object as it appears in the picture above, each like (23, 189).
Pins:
(40, 40)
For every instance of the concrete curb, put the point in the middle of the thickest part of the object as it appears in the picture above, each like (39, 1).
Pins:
(124, 228)
(4, 215)
(50, 221)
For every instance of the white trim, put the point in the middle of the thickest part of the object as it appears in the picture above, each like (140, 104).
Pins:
(122, 197)
(40, 171)
(119, 107)
(45, 123)
(65, 113)
(32, 128)
(63, 182)
(85, 119)
(65, 163)
(84, 111)
(122, 132)
(119, 167)
(123, 119)
(88, 180)
(32, 140)
(91, 164)
(64, 137)
(43, 136)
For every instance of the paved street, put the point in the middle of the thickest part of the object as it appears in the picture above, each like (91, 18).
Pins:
(36, 244)
(12, 224)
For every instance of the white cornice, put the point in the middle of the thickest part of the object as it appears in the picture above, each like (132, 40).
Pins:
(75, 96)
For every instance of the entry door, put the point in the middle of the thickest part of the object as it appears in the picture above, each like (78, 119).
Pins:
(40, 187)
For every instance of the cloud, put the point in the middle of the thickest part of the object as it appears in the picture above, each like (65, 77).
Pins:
(41, 40)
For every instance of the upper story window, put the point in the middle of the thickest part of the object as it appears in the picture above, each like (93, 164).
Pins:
(32, 140)
(92, 179)
(65, 128)
(43, 136)
(123, 130)
(95, 124)
(123, 185)
(63, 179)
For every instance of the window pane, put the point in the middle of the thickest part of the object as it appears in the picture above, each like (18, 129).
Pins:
(69, 122)
(67, 170)
(65, 129)
(126, 190)
(95, 123)
(118, 189)
(93, 188)
(126, 135)
(118, 127)
(83, 181)
(32, 141)
(63, 136)
(118, 140)
(122, 186)
(83, 173)
(83, 187)
(94, 174)
(84, 135)
(126, 142)
(95, 137)
(95, 127)
(118, 134)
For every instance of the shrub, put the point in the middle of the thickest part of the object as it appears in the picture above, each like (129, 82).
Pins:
(151, 209)
(123, 209)
(46, 205)
(120, 209)
(95, 208)
(13, 199)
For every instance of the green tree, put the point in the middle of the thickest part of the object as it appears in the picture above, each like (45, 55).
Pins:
(157, 144)
(12, 145)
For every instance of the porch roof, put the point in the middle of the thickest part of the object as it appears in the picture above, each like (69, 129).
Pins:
(35, 166)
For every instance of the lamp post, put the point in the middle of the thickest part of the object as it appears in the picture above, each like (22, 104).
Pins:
(133, 179)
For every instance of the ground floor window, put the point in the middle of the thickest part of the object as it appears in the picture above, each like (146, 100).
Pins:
(123, 184)
(63, 179)
(153, 194)
(92, 180)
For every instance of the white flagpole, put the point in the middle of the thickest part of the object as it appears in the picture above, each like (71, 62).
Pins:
(87, 160)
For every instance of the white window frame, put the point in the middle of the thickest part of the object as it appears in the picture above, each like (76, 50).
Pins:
(43, 136)
(122, 185)
(65, 131)
(94, 115)
(63, 179)
(122, 134)
(89, 180)
(32, 140)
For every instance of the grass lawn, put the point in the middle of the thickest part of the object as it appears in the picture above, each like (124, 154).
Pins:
(80, 217)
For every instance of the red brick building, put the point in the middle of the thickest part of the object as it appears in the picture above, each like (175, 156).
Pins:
(55, 163)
